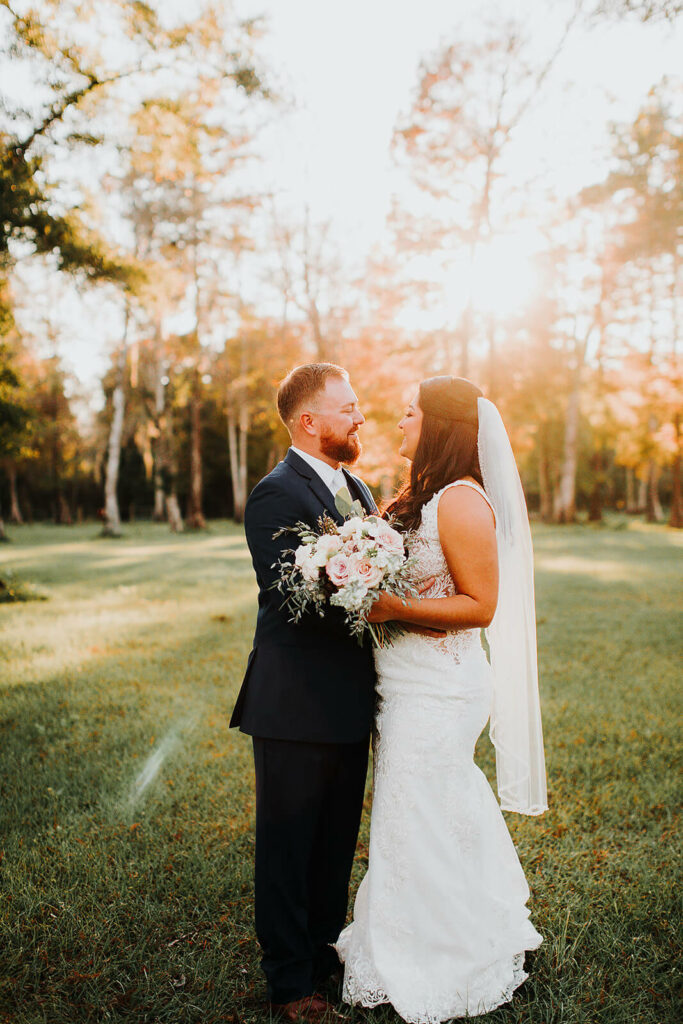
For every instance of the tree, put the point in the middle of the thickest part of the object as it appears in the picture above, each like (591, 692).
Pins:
(643, 10)
(310, 279)
(14, 415)
(471, 99)
(643, 197)
(112, 519)
(30, 215)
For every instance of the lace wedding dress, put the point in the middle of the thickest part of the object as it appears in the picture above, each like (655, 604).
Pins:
(440, 923)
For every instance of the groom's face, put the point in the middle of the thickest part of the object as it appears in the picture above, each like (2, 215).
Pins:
(337, 418)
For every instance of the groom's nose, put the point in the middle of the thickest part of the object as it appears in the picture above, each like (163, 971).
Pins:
(359, 418)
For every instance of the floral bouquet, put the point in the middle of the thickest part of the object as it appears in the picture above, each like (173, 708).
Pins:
(346, 566)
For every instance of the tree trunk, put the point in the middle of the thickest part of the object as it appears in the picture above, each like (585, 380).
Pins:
(676, 518)
(631, 506)
(169, 471)
(158, 515)
(157, 440)
(564, 510)
(237, 443)
(112, 518)
(195, 515)
(544, 485)
(596, 498)
(64, 517)
(173, 514)
(641, 504)
(653, 507)
(15, 515)
(238, 432)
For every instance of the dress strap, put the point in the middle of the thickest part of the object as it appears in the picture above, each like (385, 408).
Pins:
(475, 487)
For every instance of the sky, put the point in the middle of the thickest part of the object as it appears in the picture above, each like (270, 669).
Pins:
(353, 69)
(350, 70)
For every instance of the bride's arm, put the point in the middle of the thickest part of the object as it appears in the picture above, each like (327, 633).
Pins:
(468, 538)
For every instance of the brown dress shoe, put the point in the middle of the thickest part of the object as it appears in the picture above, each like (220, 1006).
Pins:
(312, 1009)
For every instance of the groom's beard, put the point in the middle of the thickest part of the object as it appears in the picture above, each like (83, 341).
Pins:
(341, 449)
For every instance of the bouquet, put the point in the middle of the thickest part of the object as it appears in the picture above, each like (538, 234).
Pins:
(346, 566)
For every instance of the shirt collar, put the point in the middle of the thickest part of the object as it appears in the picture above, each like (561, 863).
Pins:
(333, 478)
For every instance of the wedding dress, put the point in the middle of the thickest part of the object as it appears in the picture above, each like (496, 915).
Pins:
(440, 923)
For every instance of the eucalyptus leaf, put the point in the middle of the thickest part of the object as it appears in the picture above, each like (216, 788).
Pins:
(343, 502)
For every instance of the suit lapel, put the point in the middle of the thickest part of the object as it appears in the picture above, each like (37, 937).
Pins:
(324, 494)
(316, 484)
(357, 491)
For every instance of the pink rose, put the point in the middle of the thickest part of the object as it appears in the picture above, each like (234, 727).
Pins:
(369, 574)
(338, 569)
(390, 539)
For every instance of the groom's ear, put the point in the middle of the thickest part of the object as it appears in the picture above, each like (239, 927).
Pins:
(307, 423)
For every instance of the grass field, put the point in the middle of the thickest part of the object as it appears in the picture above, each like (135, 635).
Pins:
(126, 809)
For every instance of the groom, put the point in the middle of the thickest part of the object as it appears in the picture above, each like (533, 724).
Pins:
(307, 701)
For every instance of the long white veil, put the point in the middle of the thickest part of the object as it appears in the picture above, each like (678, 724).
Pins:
(515, 727)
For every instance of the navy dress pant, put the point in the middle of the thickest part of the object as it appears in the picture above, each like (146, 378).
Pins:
(309, 798)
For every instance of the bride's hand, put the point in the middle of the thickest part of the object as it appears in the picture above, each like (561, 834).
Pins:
(388, 607)
(385, 608)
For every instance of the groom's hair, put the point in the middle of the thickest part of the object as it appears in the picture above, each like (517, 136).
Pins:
(301, 385)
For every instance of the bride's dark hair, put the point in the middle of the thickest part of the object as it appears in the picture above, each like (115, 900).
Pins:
(447, 448)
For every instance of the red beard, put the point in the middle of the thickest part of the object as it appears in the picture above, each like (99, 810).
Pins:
(341, 449)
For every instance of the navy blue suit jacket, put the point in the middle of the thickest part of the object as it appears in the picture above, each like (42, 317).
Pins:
(308, 681)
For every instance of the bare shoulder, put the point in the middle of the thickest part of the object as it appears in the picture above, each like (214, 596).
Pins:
(460, 506)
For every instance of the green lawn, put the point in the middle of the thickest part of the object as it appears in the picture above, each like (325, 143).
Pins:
(127, 805)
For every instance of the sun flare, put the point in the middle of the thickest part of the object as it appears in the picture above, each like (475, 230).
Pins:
(503, 274)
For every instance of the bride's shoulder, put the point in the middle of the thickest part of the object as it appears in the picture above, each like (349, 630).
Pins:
(464, 499)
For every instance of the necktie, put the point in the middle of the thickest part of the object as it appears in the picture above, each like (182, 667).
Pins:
(338, 482)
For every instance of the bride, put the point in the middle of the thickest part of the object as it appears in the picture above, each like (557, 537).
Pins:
(440, 924)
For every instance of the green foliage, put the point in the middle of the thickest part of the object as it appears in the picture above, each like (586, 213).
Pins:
(346, 506)
(14, 415)
(27, 215)
(126, 803)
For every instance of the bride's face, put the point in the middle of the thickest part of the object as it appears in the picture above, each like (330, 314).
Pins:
(410, 425)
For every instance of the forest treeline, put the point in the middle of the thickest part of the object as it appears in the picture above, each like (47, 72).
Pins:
(173, 230)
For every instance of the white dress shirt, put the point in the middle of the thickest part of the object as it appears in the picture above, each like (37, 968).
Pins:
(331, 477)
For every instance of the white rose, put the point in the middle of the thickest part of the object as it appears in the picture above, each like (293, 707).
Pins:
(352, 527)
(304, 558)
(302, 554)
(380, 557)
(372, 526)
(328, 545)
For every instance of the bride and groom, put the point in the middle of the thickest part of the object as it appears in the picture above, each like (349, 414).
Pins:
(440, 924)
